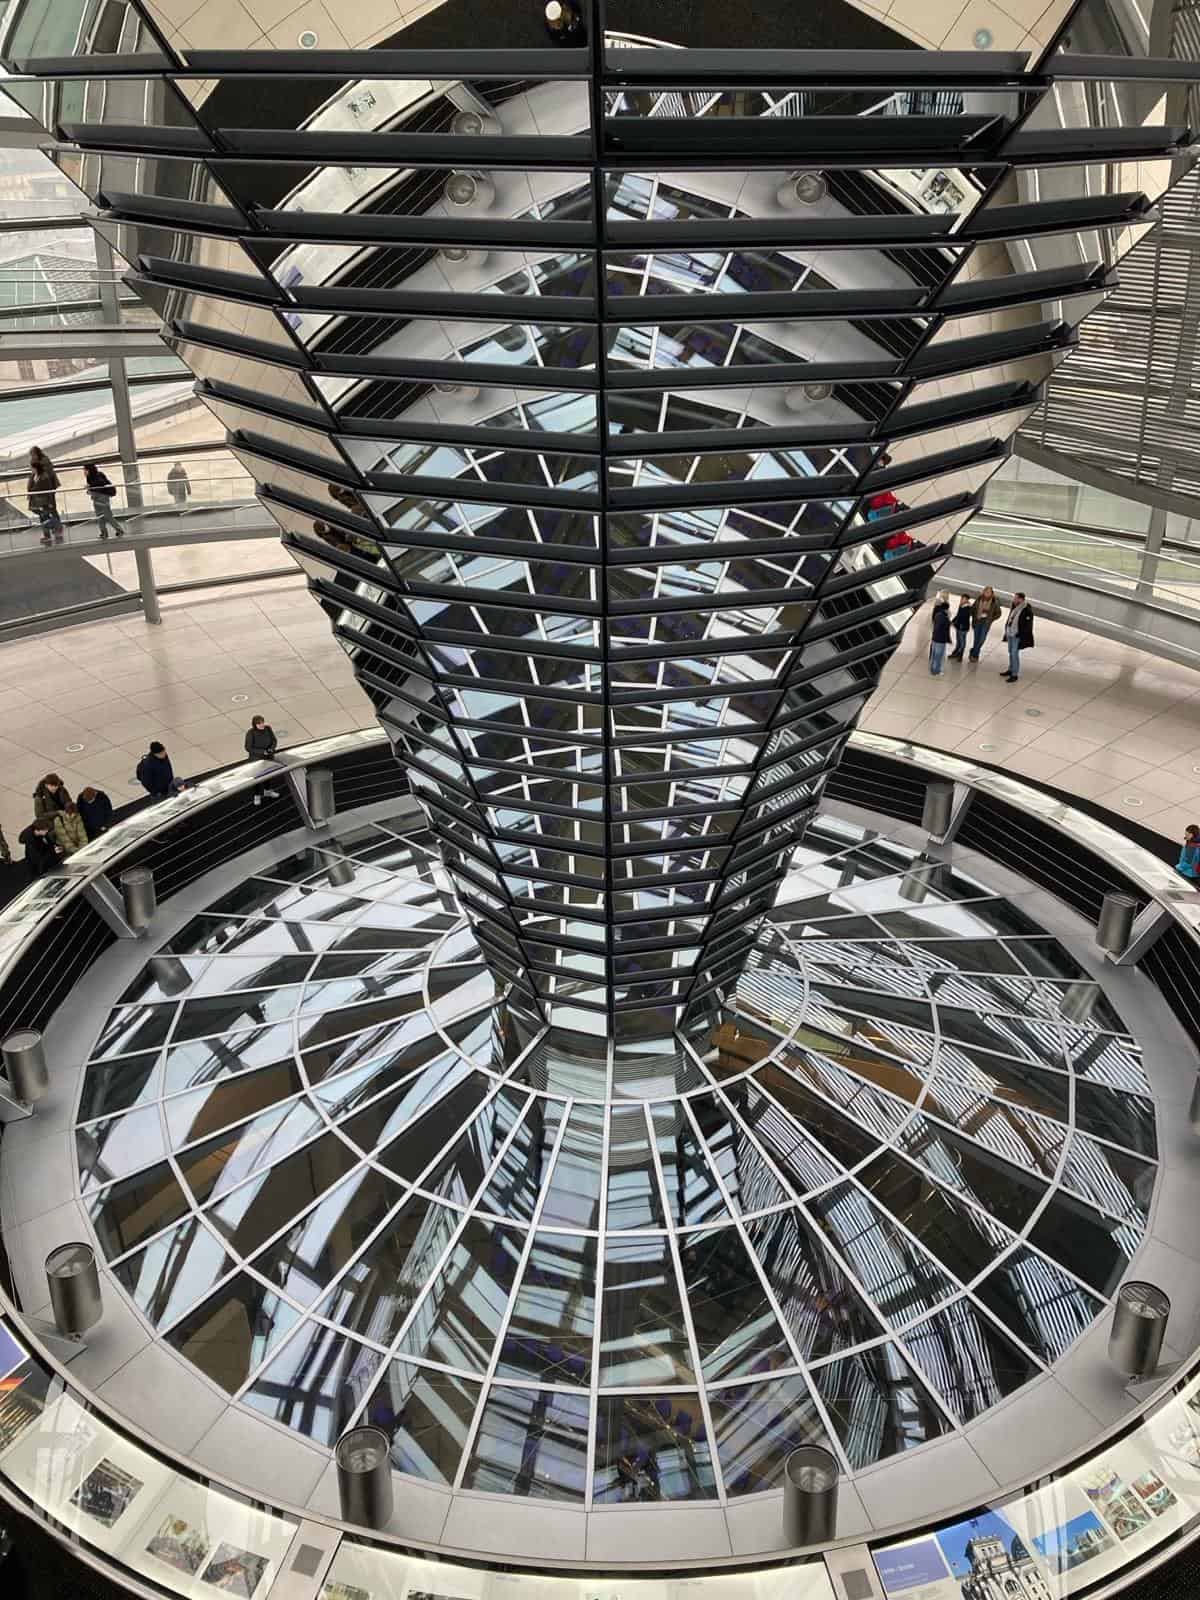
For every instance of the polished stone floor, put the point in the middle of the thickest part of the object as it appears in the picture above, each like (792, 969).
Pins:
(1104, 721)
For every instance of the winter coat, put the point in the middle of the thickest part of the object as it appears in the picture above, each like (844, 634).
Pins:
(986, 610)
(156, 775)
(962, 617)
(46, 804)
(40, 855)
(100, 489)
(1188, 865)
(70, 832)
(941, 623)
(41, 485)
(260, 742)
(1023, 622)
(96, 814)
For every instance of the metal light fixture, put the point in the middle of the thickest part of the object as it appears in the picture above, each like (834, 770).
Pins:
(469, 191)
(802, 189)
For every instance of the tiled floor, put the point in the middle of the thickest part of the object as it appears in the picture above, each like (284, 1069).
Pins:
(1097, 719)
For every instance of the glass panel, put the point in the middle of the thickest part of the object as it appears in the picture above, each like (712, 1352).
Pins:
(651, 1447)
(531, 1442)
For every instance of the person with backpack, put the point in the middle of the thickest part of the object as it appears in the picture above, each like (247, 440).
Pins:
(96, 809)
(156, 774)
(102, 492)
(42, 487)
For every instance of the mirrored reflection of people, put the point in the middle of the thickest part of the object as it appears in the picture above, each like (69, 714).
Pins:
(564, 23)
(962, 626)
(987, 611)
(939, 637)
(1018, 635)
(1188, 865)
(42, 487)
(179, 485)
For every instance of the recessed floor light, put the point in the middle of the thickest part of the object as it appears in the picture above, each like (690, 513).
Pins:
(239, 699)
(987, 746)
(983, 38)
(74, 749)
(1032, 711)
(308, 40)
(1131, 800)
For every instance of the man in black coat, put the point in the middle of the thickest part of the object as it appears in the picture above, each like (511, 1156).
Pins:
(1018, 635)
(41, 852)
(155, 772)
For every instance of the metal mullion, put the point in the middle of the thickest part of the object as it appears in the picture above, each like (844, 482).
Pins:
(601, 1234)
(769, 1295)
(518, 1278)
(391, 1352)
(668, 1211)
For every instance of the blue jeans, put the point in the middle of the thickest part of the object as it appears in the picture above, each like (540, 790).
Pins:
(937, 658)
(960, 639)
(979, 632)
(1014, 656)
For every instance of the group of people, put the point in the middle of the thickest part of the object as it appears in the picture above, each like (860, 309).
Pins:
(975, 615)
(61, 825)
(43, 484)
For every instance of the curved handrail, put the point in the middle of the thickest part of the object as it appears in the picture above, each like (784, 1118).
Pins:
(24, 919)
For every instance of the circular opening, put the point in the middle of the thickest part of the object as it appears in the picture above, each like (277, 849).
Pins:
(23, 1039)
(74, 749)
(455, 252)
(469, 122)
(362, 1450)
(1032, 711)
(987, 746)
(308, 40)
(812, 1470)
(983, 38)
(69, 1260)
(238, 699)
(460, 188)
(1144, 1299)
(811, 187)
(1130, 800)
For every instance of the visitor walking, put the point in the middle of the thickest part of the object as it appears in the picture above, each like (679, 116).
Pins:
(96, 809)
(179, 485)
(962, 626)
(261, 745)
(102, 492)
(986, 611)
(41, 852)
(1018, 635)
(42, 486)
(50, 796)
(156, 774)
(1188, 865)
(70, 834)
(940, 636)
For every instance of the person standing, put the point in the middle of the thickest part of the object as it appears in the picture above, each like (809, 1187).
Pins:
(50, 796)
(155, 772)
(102, 492)
(179, 485)
(962, 625)
(261, 745)
(985, 612)
(41, 852)
(69, 831)
(1188, 865)
(96, 809)
(42, 487)
(940, 636)
(1018, 635)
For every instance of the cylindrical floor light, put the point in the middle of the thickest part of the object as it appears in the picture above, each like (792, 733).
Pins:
(1115, 923)
(810, 1493)
(1138, 1328)
(364, 1477)
(74, 1283)
(25, 1065)
(137, 890)
(938, 807)
(320, 795)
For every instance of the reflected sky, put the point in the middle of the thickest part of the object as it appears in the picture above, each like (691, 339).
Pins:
(906, 1174)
